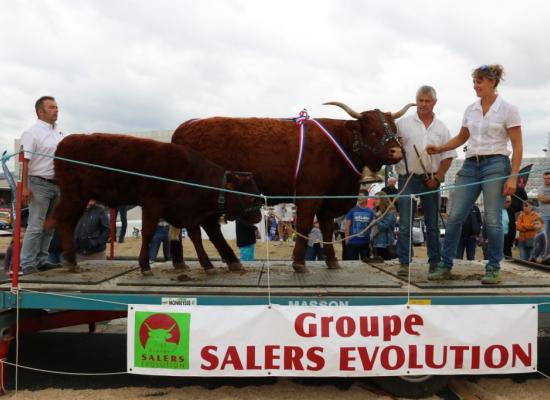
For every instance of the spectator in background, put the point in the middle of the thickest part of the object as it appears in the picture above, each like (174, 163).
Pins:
(544, 202)
(246, 239)
(160, 236)
(471, 228)
(520, 195)
(540, 247)
(314, 248)
(527, 231)
(92, 233)
(340, 231)
(284, 214)
(123, 210)
(508, 226)
(272, 228)
(357, 236)
(8, 260)
(382, 237)
(392, 190)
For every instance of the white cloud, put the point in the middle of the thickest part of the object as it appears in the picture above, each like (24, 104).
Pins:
(142, 65)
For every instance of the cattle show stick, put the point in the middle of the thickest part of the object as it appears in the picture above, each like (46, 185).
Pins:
(422, 163)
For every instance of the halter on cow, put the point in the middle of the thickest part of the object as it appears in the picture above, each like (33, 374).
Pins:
(245, 209)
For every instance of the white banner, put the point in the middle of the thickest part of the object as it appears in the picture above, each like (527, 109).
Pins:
(332, 341)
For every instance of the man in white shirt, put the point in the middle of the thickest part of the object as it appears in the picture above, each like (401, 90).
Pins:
(39, 189)
(427, 172)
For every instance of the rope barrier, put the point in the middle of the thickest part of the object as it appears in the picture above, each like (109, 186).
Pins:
(440, 189)
(73, 297)
(50, 371)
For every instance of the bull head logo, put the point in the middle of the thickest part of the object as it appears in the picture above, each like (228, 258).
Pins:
(159, 334)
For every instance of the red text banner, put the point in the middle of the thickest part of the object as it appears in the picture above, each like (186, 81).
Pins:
(331, 341)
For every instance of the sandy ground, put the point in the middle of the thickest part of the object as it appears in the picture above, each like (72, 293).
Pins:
(284, 389)
(484, 389)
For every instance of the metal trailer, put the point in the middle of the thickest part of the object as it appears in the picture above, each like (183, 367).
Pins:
(57, 298)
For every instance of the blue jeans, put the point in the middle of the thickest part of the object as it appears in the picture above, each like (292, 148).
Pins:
(547, 226)
(464, 197)
(356, 252)
(430, 206)
(524, 250)
(56, 258)
(469, 244)
(314, 252)
(123, 210)
(37, 241)
(161, 235)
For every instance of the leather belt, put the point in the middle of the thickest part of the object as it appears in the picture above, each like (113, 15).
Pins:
(52, 181)
(482, 157)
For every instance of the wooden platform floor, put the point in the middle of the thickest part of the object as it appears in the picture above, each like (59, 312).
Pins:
(354, 279)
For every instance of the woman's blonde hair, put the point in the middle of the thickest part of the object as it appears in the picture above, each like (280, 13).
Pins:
(494, 72)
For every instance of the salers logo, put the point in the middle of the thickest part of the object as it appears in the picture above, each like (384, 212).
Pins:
(162, 340)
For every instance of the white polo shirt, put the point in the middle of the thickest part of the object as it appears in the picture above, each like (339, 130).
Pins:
(489, 132)
(42, 138)
(412, 131)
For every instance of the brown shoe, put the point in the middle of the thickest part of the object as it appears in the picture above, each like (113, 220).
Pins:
(403, 270)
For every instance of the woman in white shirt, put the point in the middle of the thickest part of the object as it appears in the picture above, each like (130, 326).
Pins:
(487, 125)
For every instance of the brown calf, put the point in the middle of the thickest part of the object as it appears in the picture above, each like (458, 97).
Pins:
(178, 204)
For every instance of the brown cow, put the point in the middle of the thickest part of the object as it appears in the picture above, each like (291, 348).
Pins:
(180, 205)
(269, 149)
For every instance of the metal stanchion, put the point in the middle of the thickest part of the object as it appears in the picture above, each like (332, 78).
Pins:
(17, 231)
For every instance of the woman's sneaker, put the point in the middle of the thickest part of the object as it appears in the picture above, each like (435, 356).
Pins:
(492, 276)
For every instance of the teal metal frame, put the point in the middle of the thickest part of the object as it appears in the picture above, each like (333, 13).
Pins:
(119, 301)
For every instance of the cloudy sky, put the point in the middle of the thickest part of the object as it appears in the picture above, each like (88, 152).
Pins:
(128, 66)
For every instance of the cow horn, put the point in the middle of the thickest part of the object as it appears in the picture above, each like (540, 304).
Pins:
(400, 113)
(352, 113)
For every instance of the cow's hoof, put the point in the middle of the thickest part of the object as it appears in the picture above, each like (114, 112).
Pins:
(300, 268)
(147, 272)
(210, 271)
(333, 264)
(235, 267)
(74, 268)
(181, 266)
(184, 278)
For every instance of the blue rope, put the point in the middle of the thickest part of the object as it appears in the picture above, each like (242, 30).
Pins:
(6, 157)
